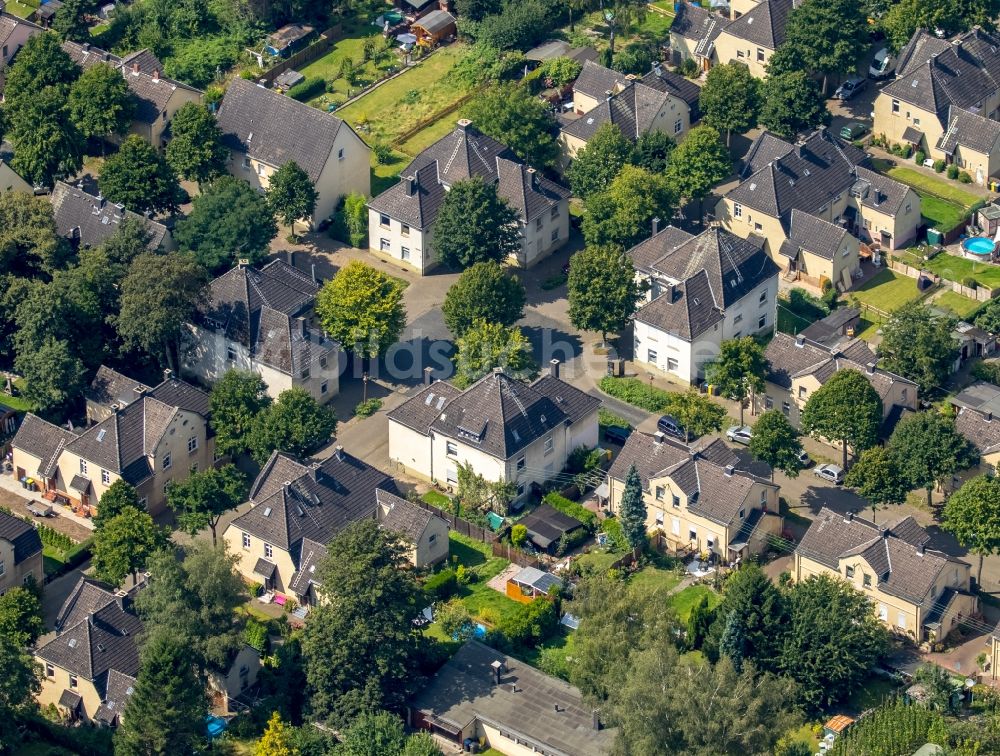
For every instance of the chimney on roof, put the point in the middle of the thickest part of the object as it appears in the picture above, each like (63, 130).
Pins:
(427, 375)
(412, 185)
(800, 340)
(884, 531)
(870, 368)
(554, 368)
(338, 452)
(168, 374)
(290, 258)
(607, 94)
(85, 46)
(657, 68)
(314, 470)
(656, 225)
(135, 69)
(921, 549)
(659, 437)
(464, 124)
(730, 469)
(496, 669)
(498, 371)
(303, 328)
(595, 720)
(533, 177)
(314, 273)
(287, 486)
(156, 75)
(988, 416)
(849, 515)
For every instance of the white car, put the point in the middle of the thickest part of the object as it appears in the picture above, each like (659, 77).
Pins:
(740, 434)
(832, 473)
(882, 65)
(804, 459)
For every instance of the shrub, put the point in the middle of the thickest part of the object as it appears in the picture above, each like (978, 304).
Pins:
(920, 157)
(442, 584)
(987, 371)
(582, 459)
(964, 177)
(636, 392)
(636, 58)
(308, 89)
(531, 624)
(368, 408)
(518, 535)
(952, 172)
(560, 71)
(905, 151)
(689, 67)
(571, 509)
(608, 418)
(939, 165)
(896, 150)
(612, 528)
(255, 635)
(969, 281)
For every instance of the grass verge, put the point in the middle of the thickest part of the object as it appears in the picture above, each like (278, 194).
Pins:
(887, 291)
(929, 184)
(683, 602)
(956, 268)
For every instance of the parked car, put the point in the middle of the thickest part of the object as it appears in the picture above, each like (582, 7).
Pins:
(851, 86)
(804, 459)
(853, 130)
(883, 65)
(617, 434)
(832, 473)
(740, 434)
(671, 427)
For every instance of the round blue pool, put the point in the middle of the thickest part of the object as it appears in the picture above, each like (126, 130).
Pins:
(979, 246)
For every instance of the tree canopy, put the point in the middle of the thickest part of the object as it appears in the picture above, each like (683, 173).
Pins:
(475, 224)
(138, 177)
(652, 151)
(485, 346)
(100, 102)
(699, 163)
(904, 17)
(296, 424)
(929, 449)
(236, 400)
(195, 150)
(596, 165)
(483, 292)
(730, 100)
(776, 442)
(21, 614)
(30, 244)
(603, 292)
(828, 36)
(792, 103)
(201, 499)
(919, 345)
(738, 372)
(114, 500)
(20, 682)
(623, 214)
(509, 113)
(632, 510)
(697, 414)
(124, 544)
(362, 308)
(291, 194)
(877, 476)
(47, 143)
(847, 409)
(972, 515)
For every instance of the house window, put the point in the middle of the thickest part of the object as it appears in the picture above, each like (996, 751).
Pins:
(867, 581)
(246, 540)
(50, 671)
(246, 163)
(340, 154)
(555, 212)
(802, 392)
(549, 446)
(659, 519)
(672, 363)
(907, 208)
(895, 106)
(231, 353)
(676, 500)
(849, 572)
(675, 526)
(763, 497)
(451, 476)
(763, 297)
(520, 463)
(323, 362)
(105, 477)
(5, 52)
(739, 54)
(760, 54)
(758, 227)
(305, 373)
(651, 355)
(901, 620)
(555, 234)
(383, 221)
(432, 538)
(323, 387)
(166, 461)
(916, 121)
(142, 503)
(520, 489)
(404, 230)
(743, 513)
(660, 491)
(83, 467)
(846, 252)
(737, 210)
(678, 126)
(192, 444)
(738, 319)
(404, 253)
(762, 321)
(194, 469)
(384, 245)
(3, 567)
(902, 395)
(883, 612)
(786, 408)
(260, 169)
(768, 403)
(72, 681)
(268, 550)
(692, 535)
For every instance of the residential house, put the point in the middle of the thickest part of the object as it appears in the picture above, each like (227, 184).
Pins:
(659, 101)
(500, 702)
(265, 129)
(693, 33)
(157, 98)
(753, 36)
(699, 498)
(111, 390)
(401, 219)
(547, 527)
(20, 553)
(505, 429)
(11, 181)
(235, 678)
(161, 437)
(825, 177)
(258, 319)
(702, 290)
(917, 592)
(87, 220)
(945, 100)
(983, 432)
(594, 85)
(529, 583)
(14, 32)
(292, 503)
(799, 366)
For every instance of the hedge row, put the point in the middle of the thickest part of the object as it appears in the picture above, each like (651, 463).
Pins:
(572, 509)
(637, 393)
(308, 89)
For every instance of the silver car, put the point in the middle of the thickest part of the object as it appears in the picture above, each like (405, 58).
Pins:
(740, 434)
(832, 473)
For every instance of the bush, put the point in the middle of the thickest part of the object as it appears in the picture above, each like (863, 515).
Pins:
(255, 635)
(952, 171)
(689, 67)
(368, 408)
(531, 624)
(920, 157)
(636, 392)
(964, 177)
(987, 371)
(582, 459)
(571, 509)
(612, 528)
(518, 534)
(443, 584)
(906, 151)
(607, 418)
(636, 58)
(308, 89)
(464, 576)
(896, 150)
(939, 165)
(969, 282)
(560, 71)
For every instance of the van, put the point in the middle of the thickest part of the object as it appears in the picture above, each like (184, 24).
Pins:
(882, 66)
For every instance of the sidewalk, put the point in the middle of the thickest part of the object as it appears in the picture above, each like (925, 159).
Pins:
(17, 498)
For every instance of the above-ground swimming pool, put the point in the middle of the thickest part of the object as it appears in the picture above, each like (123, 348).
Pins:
(979, 247)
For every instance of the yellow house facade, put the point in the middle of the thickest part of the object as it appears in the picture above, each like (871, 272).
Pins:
(755, 32)
(20, 553)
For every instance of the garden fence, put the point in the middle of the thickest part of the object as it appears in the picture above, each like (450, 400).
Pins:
(317, 49)
(519, 558)
(463, 527)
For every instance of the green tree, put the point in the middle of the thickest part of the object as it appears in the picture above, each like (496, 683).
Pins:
(603, 292)
(236, 400)
(295, 424)
(623, 214)
(750, 596)
(699, 621)
(124, 544)
(486, 346)
(195, 150)
(699, 163)
(356, 219)
(832, 641)
(483, 292)
(362, 308)
(513, 116)
(829, 36)
(792, 103)
(276, 740)
(904, 17)
(632, 510)
(421, 744)
(374, 734)
(477, 10)
(988, 318)
(475, 224)
(130, 239)
(919, 345)
(138, 177)
(972, 515)
(41, 62)
(21, 614)
(229, 221)
(30, 244)
(20, 682)
(113, 502)
(738, 372)
(847, 409)
(158, 296)
(361, 646)
(165, 714)
(200, 500)
(929, 449)
(46, 141)
(878, 477)
(596, 165)
(776, 442)
(652, 151)
(730, 99)
(53, 376)
(697, 414)
(291, 195)
(69, 22)
(100, 102)
(732, 644)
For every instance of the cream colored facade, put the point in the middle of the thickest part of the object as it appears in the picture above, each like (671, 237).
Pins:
(241, 675)
(15, 575)
(731, 49)
(153, 132)
(251, 548)
(53, 686)
(432, 546)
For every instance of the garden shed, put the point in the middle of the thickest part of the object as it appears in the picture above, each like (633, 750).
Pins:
(546, 526)
(434, 27)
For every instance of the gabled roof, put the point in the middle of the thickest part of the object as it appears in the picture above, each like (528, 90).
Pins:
(21, 535)
(111, 387)
(766, 148)
(633, 110)
(576, 404)
(699, 24)
(177, 393)
(815, 234)
(596, 81)
(415, 200)
(547, 525)
(645, 254)
(969, 130)
(897, 554)
(764, 24)
(920, 48)
(462, 154)
(275, 129)
(675, 85)
(311, 554)
(878, 192)
(421, 410)
(119, 690)
(686, 310)
(9, 24)
(292, 501)
(526, 191)
(435, 21)
(982, 430)
(401, 516)
(43, 440)
(91, 220)
(88, 596)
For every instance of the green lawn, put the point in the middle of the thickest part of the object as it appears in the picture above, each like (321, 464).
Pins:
(962, 307)
(597, 561)
(654, 578)
(956, 268)
(931, 184)
(887, 291)
(22, 8)
(356, 32)
(941, 214)
(437, 499)
(684, 601)
(16, 402)
(385, 113)
(478, 595)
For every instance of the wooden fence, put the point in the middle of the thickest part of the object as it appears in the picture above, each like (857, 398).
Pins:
(980, 293)
(519, 558)
(317, 49)
(463, 527)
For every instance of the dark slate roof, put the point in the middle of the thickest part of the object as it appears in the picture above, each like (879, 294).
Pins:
(319, 500)
(878, 192)
(686, 310)
(766, 148)
(22, 535)
(42, 439)
(920, 48)
(829, 331)
(697, 23)
(764, 25)
(264, 568)
(544, 711)
(145, 59)
(645, 254)
(981, 430)
(596, 81)
(808, 177)
(274, 129)
(576, 404)
(119, 690)
(674, 84)
(499, 415)
(899, 566)
(421, 410)
(311, 554)
(462, 154)
(415, 200)
(969, 130)
(547, 525)
(70, 700)
(401, 516)
(815, 234)
(259, 309)
(527, 191)
(94, 219)
(87, 596)
(633, 110)
(111, 387)
(181, 394)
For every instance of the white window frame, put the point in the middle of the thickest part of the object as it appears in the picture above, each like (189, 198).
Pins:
(192, 444)
(246, 541)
